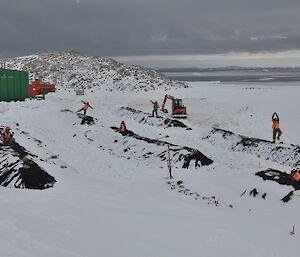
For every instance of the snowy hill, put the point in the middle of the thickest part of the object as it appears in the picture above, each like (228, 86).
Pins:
(113, 195)
(74, 70)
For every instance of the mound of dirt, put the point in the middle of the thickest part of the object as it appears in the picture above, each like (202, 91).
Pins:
(89, 120)
(20, 171)
(278, 176)
(182, 154)
(85, 119)
(284, 154)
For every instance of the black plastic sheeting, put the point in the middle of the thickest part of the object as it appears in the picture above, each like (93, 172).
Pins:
(18, 169)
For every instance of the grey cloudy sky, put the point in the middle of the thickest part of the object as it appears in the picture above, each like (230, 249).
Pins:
(137, 27)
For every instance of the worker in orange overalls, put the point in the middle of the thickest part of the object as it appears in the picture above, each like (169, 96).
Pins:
(295, 175)
(276, 127)
(122, 128)
(86, 105)
(7, 136)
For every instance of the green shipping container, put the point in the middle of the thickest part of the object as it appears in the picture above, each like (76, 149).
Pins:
(14, 85)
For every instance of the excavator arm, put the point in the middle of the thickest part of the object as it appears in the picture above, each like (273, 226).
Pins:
(165, 101)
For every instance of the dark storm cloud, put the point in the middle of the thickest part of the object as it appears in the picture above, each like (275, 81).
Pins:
(125, 27)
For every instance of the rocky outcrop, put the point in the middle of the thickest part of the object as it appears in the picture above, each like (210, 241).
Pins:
(74, 70)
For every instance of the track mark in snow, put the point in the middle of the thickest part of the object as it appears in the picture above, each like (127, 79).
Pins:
(86, 135)
(180, 187)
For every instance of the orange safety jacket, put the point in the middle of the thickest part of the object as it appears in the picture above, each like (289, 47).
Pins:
(122, 127)
(6, 136)
(275, 125)
(296, 175)
(86, 106)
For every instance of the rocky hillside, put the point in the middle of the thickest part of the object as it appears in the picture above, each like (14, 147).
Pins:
(74, 70)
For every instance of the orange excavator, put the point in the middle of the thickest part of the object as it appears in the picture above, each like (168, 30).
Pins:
(178, 109)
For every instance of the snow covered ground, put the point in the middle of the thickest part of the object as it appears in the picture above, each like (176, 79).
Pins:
(113, 200)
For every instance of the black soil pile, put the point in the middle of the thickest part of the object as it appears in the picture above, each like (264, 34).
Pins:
(284, 154)
(85, 119)
(278, 176)
(17, 169)
(89, 120)
(180, 154)
(197, 156)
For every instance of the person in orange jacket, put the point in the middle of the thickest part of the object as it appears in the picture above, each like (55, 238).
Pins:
(86, 105)
(7, 136)
(295, 175)
(122, 128)
(276, 127)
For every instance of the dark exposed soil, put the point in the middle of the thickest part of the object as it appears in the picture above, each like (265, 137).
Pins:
(278, 176)
(288, 197)
(281, 178)
(89, 120)
(85, 119)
